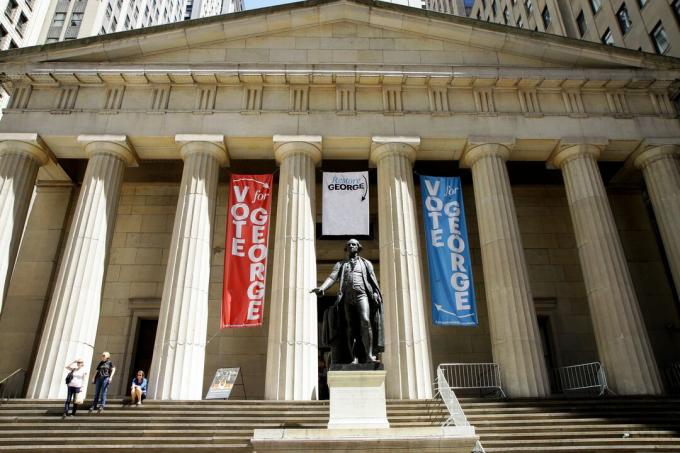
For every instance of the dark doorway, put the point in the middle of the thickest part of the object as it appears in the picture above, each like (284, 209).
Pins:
(548, 351)
(323, 303)
(143, 352)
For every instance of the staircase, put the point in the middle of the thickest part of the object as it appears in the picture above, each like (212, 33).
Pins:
(567, 425)
(513, 426)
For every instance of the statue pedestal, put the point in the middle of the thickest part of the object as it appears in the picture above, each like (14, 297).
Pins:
(357, 397)
(358, 423)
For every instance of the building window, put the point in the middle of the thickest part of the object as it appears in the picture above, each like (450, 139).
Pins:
(624, 19)
(528, 6)
(76, 19)
(546, 16)
(494, 8)
(608, 37)
(642, 3)
(506, 16)
(12, 7)
(59, 19)
(596, 5)
(660, 38)
(520, 23)
(676, 9)
(581, 24)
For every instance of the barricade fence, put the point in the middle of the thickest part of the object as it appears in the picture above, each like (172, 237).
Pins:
(444, 391)
(473, 376)
(586, 378)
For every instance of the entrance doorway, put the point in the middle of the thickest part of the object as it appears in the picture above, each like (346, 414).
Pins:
(143, 349)
(549, 357)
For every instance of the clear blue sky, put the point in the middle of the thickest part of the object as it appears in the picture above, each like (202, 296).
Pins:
(254, 4)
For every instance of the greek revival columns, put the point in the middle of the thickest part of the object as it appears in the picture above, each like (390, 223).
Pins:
(661, 169)
(292, 348)
(20, 157)
(179, 350)
(620, 332)
(515, 340)
(71, 324)
(407, 349)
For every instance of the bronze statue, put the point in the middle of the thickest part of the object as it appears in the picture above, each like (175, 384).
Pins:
(353, 326)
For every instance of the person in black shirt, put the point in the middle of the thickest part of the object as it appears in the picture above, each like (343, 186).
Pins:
(102, 379)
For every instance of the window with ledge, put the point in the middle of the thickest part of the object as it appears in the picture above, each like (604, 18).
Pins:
(506, 16)
(76, 19)
(660, 38)
(494, 8)
(12, 7)
(596, 5)
(520, 23)
(529, 7)
(608, 37)
(676, 9)
(581, 24)
(642, 3)
(545, 14)
(59, 19)
(623, 18)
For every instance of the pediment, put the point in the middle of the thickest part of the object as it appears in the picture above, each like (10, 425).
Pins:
(338, 32)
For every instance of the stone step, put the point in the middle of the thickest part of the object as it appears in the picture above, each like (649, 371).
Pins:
(234, 447)
(586, 449)
(602, 434)
(640, 442)
(140, 441)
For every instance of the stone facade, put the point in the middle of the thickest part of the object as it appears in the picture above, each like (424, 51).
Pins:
(345, 84)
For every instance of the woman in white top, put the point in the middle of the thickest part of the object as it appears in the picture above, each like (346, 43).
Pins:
(74, 382)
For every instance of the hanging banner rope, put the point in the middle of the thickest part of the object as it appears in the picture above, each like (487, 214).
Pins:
(448, 252)
(245, 251)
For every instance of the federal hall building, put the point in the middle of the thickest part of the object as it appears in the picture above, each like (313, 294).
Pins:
(116, 154)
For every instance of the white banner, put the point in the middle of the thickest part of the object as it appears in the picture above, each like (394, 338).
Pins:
(345, 204)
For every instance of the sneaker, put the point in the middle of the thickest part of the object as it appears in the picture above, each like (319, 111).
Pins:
(63, 416)
(89, 411)
(139, 403)
(100, 410)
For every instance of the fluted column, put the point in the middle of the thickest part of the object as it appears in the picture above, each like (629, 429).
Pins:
(515, 340)
(179, 350)
(21, 155)
(71, 324)
(292, 348)
(407, 349)
(661, 169)
(620, 333)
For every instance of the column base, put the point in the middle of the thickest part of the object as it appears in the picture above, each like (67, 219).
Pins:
(357, 399)
(431, 439)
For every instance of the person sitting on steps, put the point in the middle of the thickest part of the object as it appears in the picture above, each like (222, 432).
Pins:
(138, 389)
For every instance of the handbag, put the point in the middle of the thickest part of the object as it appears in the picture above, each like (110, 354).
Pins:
(69, 377)
(80, 397)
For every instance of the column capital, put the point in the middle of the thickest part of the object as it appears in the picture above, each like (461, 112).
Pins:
(29, 144)
(572, 148)
(113, 145)
(202, 143)
(383, 146)
(285, 145)
(479, 147)
(652, 151)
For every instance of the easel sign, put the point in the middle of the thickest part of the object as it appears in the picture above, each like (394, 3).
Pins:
(222, 383)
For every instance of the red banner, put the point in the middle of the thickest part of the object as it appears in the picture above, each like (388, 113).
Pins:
(245, 251)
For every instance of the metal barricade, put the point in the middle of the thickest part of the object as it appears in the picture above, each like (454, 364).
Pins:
(473, 376)
(586, 377)
(13, 385)
(456, 415)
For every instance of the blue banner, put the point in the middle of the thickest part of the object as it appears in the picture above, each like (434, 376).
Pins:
(448, 252)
